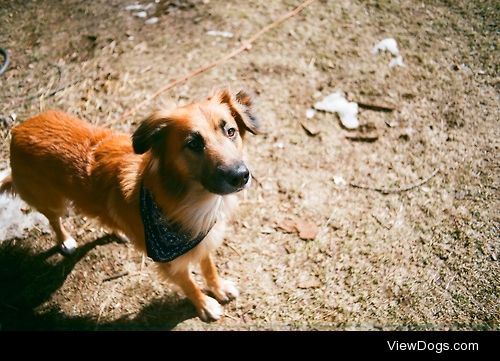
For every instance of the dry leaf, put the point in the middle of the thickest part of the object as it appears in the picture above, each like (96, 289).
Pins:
(287, 225)
(307, 230)
(288, 249)
(381, 106)
(266, 230)
(366, 133)
(310, 129)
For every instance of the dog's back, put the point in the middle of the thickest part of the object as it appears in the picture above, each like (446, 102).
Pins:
(53, 157)
(53, 148)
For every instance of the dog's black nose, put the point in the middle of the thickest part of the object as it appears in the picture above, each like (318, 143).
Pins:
(237, 176)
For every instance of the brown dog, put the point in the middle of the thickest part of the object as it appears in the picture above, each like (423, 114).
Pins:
(169, 189)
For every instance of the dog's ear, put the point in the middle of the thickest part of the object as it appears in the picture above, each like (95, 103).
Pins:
(150, 132)
(240, 106)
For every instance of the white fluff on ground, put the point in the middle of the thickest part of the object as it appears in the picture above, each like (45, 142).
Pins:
(14, 222)
(391, 46)
(388, 44)
(336, 103)
(397, 61)
(339, 180)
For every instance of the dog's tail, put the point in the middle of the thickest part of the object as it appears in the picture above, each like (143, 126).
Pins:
(7, 185)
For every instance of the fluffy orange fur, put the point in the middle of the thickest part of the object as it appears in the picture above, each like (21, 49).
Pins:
(57, 159)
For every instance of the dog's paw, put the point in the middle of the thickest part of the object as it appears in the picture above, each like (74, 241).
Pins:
(211, 310)
(122, 238)
(69, 246)
(226, 292)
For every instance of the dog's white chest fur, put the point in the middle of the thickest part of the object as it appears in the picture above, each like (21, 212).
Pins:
(199, 214)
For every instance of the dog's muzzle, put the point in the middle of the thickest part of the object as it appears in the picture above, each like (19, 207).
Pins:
(236, 176)
(229, 179)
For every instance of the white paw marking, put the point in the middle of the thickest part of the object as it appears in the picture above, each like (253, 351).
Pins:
(211, 310)
(227, 291)
(69, 246)
(123, 238)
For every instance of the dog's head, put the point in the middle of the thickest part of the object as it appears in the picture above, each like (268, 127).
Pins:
(202, 142)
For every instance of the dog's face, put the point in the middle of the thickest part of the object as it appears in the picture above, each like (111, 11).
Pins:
(202, 142)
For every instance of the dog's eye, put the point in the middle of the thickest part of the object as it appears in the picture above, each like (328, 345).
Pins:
(196, 143)
(231, 132)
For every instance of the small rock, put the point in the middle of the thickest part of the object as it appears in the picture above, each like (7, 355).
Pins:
(266, 230)
(141, 14)
(310, 113)
(392, 124)
(465, 67)
(339, 180)
(133, 7)
(8, 121)
(223, 34)
(152, 21)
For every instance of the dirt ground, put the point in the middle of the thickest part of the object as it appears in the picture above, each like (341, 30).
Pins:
(425, 258)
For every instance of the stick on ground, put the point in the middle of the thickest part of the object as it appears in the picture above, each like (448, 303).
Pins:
(396, 190)
(247, 45)
(376, 107)
(114, 277)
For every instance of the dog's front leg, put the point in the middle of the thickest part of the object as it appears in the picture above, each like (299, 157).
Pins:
(208, 308)
(223, 290)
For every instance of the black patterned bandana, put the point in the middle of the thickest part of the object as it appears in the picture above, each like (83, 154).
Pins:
(164, 240)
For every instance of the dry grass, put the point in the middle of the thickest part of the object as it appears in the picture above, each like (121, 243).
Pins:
(422, 259)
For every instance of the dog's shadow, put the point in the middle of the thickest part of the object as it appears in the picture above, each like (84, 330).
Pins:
(28, 279)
